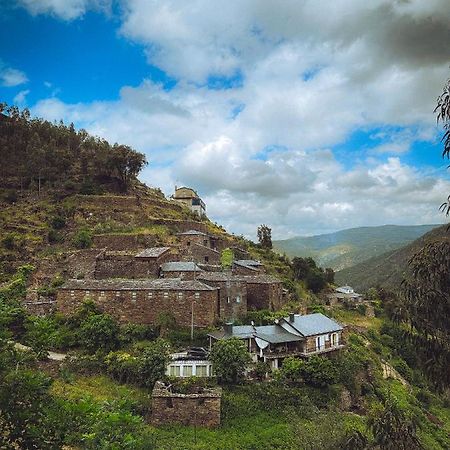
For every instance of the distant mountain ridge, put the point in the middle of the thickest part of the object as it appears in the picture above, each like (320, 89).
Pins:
(352, 246)
(389, 269)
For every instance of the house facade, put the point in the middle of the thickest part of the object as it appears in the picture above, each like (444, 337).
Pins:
(188, 197)
(295, 335)
(345, 295)
(185, 270)
(142, 301)
(190, 363)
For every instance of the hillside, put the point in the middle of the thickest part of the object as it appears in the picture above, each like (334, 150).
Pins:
(352, 246)
(388, 269)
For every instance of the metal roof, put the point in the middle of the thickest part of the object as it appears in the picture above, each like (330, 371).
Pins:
(248, 262)
(274, 334)
(153, 252)
(180, 266)
(130, 285)
(312, 324)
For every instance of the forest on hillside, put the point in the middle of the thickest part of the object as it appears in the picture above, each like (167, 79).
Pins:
(38, 154)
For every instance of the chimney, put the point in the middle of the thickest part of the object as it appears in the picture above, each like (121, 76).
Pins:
(291, 317)
(228, 328)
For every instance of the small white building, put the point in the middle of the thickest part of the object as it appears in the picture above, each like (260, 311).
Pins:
(345, 290)
(190, 363)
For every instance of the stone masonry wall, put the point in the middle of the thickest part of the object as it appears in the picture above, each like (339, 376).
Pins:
(264, 296)
(200, 254)
(120, 242)
(201, 410)
(144, 306)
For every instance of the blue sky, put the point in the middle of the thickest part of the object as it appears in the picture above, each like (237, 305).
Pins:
(274, 113)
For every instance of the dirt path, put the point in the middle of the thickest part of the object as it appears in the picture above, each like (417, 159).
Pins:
(51, 355)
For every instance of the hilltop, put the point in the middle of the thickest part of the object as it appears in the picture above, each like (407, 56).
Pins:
(346, 248)
(388, 270)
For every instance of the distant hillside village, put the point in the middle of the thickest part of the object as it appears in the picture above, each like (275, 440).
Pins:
(189, 282)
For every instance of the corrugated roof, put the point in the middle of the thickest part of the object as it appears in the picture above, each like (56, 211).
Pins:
(312, 324)
(180, 266)
(153, 252)
(129, 285)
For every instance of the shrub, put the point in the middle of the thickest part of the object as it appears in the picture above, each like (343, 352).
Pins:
(153, 362)
(122, 366)
(132, 332)
(54, 237)
(292, 369)
(319, 371)
(58, 222)
(260, 369)
(99, 332)
(230, 359)
(82, 239)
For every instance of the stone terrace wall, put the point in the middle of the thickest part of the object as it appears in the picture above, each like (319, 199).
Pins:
(121, 242)
(144, 306)
(201, 410)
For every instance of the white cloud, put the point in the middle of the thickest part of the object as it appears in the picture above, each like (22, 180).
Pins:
(64, 9)
(10, 77)
(259, 151)
(20, 98)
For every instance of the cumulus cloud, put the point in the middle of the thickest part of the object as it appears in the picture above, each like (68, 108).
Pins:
(20, 98)
(261, 150)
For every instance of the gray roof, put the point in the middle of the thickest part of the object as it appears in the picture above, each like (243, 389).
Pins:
(275, 334)
(153, 252)
(312, 324)
(192, 233)
(248, 262)
(130, 285)
(180, 266)
(223, 276)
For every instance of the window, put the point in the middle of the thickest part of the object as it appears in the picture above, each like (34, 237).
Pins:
(201, 371)
(197, 295)
(187, 371)
(72, 293)
(334, 339)
(205, 243)
(150, 295)
(102, 293)
(238, 299)
(166, 295)
(206, 259)
(228, 299)
(87, 293)
(117, 293)
(174, 371)
(188, 243)
(180, 295)
(133, 297)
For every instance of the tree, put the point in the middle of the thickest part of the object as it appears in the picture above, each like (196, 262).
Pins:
(393, 429)
(226, 258)
(99, 332)
(265, 236)
(153, 362)
(230, 358)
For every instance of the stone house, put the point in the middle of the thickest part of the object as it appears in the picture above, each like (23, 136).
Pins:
(142, 301)
(200, 408)
(188, 197)
(187, 238)
(262, 291)
(126, 264)
(296, 335)
(185, 270)
(345, 295)
(232, 294)
(247, 267)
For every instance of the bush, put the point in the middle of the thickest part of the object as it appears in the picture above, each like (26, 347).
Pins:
(292, 369)
(122, 366)
(54, 237)
(82, 239)
(261, 369)
(99, 332)
(230, 359)
(153, 362)
(319, 371)
(132, 332)
(58, 222)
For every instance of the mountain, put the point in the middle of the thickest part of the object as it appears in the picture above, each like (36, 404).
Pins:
(388, 269)
(352, 246)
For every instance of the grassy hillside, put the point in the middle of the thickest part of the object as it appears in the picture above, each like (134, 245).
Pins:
(349, 247)
(388, 269)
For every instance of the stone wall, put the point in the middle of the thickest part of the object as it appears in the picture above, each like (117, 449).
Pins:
(121, 242)
(233, 298)
(201, 409)
(200, 254)
(149, 267)
(264, 296)
(184, 275)
(112, 265)
(144, 306)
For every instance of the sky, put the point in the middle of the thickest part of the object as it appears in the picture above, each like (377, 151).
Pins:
(309, 116)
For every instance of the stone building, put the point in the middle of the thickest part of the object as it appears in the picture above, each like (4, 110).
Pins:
(264, 292)
(188, 197)
(187, 238)
(247, 267)
(185, 270)
(126, 264)
(142, 301)
(200, 408)
(193, 362)
(233, 293)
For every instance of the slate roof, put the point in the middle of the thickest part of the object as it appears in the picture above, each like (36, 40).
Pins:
(222, 276)
(248, 262)
(152, 252)
(312, 324)
(275, 334)
(180, 266)
(192, 233)
(131, 285)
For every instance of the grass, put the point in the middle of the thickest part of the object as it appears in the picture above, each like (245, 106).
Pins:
(351, 317)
